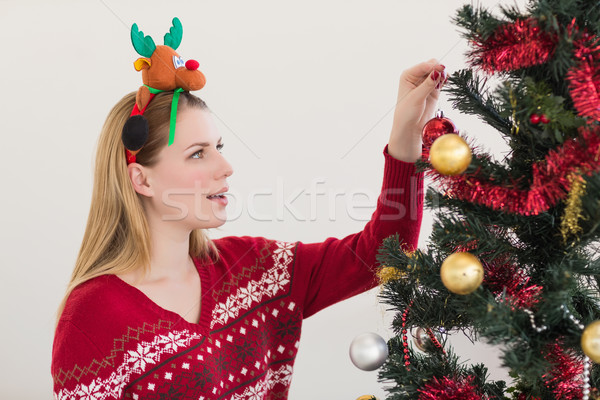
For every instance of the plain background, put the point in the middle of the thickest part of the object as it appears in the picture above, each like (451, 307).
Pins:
(301, 91)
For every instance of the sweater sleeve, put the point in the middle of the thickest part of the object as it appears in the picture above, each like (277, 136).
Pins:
(74, 356)
(337, 269)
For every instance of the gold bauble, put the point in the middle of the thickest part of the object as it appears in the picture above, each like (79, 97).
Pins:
(367, 397)
(462, 273)
(450, 154)
(590, 341)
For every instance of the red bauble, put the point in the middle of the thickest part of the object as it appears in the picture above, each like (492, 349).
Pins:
(436, 127)
(544, 119)
(534, 119)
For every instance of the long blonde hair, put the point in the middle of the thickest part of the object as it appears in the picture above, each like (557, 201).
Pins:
(117, 237)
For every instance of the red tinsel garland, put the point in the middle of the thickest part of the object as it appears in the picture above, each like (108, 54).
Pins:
(584, 83)
(584, 77)
(502, 276)
(449, 389)
(517, 45)
(550, 178)
(564, 378)
(513, 46)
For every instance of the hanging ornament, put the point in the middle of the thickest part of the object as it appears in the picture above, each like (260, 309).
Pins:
(436, 127)
(544, 119)
(450, 155)
(462, 273)
(420, 338)
(426, 337)
(534, 119)
(368, 351)
(590, 341)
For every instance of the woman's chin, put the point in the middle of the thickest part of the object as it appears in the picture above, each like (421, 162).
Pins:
(214, 222)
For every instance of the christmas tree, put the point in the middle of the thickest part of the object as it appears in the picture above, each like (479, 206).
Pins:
(511, 259)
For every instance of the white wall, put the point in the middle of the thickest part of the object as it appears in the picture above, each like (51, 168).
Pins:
(301, 91)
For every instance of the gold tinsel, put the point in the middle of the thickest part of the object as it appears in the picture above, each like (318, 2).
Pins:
(387, 274)
(573, 212)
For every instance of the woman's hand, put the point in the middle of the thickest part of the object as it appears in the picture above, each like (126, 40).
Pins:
(417, 98)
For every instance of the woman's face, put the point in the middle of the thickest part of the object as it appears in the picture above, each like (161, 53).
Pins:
(188, 171)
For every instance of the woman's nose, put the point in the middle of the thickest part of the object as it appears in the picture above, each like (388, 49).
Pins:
(226, 167)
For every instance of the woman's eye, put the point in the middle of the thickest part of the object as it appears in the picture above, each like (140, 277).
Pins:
(200, 153)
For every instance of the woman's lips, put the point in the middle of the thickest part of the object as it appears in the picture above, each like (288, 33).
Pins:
(221, 199)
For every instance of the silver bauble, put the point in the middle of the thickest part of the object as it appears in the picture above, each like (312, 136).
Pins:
(420, 338)
(368, 351)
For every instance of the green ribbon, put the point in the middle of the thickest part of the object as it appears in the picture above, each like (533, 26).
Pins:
(173, 110)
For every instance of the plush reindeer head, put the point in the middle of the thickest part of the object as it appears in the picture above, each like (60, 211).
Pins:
(162, 70)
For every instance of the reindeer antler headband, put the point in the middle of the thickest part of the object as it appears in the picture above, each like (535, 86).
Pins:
(162, 70)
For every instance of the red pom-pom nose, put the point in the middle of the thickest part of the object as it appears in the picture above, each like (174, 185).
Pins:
(192, 65)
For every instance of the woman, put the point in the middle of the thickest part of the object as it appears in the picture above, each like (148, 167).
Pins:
(155, 309)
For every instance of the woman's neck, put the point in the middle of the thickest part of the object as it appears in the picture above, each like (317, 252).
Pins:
(169, 253)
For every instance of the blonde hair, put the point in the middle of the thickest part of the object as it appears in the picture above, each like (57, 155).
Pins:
(117, 237)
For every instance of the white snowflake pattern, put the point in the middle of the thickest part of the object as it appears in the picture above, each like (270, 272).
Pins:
(133, 361)
(276, 281)
(284, 253)
(93, 391)
(172, 341)
(257, 392)
(143, 355)
(226, 310)
(248, 295)
(271, 283)
(283, 375)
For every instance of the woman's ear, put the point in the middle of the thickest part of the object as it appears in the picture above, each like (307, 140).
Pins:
(139, 179)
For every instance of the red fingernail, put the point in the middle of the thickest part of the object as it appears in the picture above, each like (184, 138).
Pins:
(443, 66)
(435, 75)
(437, 86)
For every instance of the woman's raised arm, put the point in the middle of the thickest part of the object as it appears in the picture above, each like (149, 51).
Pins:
(417, 98)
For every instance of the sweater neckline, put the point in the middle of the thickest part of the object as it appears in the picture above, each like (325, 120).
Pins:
(206, 301)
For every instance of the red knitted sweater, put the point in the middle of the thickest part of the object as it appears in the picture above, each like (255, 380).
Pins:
(113, 342)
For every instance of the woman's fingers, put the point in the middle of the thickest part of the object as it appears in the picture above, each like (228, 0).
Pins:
(426, 88)
(416, 75)
(417, 97)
